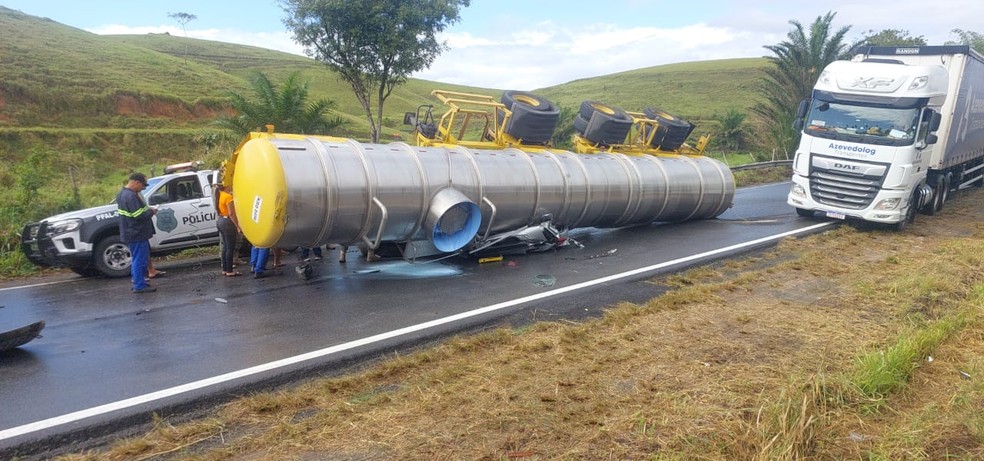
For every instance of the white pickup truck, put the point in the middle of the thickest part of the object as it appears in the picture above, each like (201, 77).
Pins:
(88, 241)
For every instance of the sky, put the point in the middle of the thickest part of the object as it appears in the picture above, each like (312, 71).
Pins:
(531, 44)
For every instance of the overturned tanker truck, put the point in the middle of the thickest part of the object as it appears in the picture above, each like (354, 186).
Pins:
(481, 178)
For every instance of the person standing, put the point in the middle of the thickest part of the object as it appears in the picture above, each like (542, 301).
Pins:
(136, 229)
(257, 261)
(228, 225)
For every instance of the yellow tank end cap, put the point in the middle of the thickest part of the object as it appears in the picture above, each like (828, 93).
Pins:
(260, 190)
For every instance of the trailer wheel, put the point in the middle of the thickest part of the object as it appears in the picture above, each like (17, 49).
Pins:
(580, 124)
(112, 257)
(607, 124)
(671, 131)
(534, 119)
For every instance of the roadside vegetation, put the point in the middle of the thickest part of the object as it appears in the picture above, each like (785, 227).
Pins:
(859, 343)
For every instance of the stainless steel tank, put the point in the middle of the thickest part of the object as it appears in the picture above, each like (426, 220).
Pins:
(296, 190)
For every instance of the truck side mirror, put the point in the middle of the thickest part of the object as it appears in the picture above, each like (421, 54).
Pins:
(932, 138)
(803, 107)
(798, 124)
(934, 123)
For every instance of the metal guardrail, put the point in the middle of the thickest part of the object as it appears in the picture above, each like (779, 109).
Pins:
(761, 165)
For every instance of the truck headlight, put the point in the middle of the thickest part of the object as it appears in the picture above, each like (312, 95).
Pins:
(888, 204)
(798, 191)
(61, 227)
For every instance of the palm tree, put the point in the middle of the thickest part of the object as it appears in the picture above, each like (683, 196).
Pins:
(732, 132)
(285, 107)
(797, 63)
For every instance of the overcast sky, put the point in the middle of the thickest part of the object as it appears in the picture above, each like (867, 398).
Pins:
(525, 45)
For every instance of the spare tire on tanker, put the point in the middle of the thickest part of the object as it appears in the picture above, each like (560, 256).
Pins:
(534, 119)
(606, 124)
(671, 132)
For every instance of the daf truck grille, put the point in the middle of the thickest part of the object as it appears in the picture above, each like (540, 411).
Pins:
(844, 190)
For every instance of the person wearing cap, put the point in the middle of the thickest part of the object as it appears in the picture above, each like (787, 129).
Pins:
(136, 229)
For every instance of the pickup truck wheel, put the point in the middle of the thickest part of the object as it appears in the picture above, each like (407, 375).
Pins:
(112, 257)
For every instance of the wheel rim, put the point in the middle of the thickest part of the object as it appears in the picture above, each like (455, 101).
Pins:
(521, 98)
(117, 257)
(603, 108)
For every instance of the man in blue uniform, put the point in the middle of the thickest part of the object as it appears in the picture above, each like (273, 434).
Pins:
(136, 229)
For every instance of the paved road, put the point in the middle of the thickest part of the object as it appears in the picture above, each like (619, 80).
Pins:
(108, 357)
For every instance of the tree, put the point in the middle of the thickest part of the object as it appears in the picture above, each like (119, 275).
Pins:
(889, 37)
(374, 45)
(286, 108)
(795, 67)
(563, 138)
(969, 37)
(183, 19)
(732, 132)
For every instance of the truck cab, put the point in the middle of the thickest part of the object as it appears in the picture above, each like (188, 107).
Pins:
(875, 144)
(87, 241)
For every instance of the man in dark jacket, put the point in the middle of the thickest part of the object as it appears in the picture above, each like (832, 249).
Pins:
(136, 229)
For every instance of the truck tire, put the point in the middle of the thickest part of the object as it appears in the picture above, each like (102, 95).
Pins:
(804, 212)
(112, 257)
(580, 124)
(910, 214)
(941, 192)
(534, 119)
(607, 124)
(671, 132)
(944, 192)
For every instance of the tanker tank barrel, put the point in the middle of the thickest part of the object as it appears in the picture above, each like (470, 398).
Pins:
(294, 190)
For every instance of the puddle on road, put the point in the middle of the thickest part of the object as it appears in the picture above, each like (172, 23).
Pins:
(544, 280)
(405, 270)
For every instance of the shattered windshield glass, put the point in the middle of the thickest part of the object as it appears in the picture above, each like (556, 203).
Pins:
(872, 125)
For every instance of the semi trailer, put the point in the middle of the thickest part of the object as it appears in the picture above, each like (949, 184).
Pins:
(482, 174)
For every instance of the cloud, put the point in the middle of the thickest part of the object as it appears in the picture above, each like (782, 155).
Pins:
(550, 53)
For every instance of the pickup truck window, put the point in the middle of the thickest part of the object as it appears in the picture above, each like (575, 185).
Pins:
(177, 190)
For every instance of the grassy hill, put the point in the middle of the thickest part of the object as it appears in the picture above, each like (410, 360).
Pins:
(56, 76)
(78, 110)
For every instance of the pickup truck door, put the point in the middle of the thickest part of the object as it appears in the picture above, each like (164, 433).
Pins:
(184, 215)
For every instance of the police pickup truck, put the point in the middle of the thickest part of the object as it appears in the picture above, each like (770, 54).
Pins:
(88, 241)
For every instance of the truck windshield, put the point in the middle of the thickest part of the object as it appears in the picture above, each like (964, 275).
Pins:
(866, 124)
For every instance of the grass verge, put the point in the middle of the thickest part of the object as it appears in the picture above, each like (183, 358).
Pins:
(852, 344)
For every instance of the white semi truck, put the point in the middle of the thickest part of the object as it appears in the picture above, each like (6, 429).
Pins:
(890, 133)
